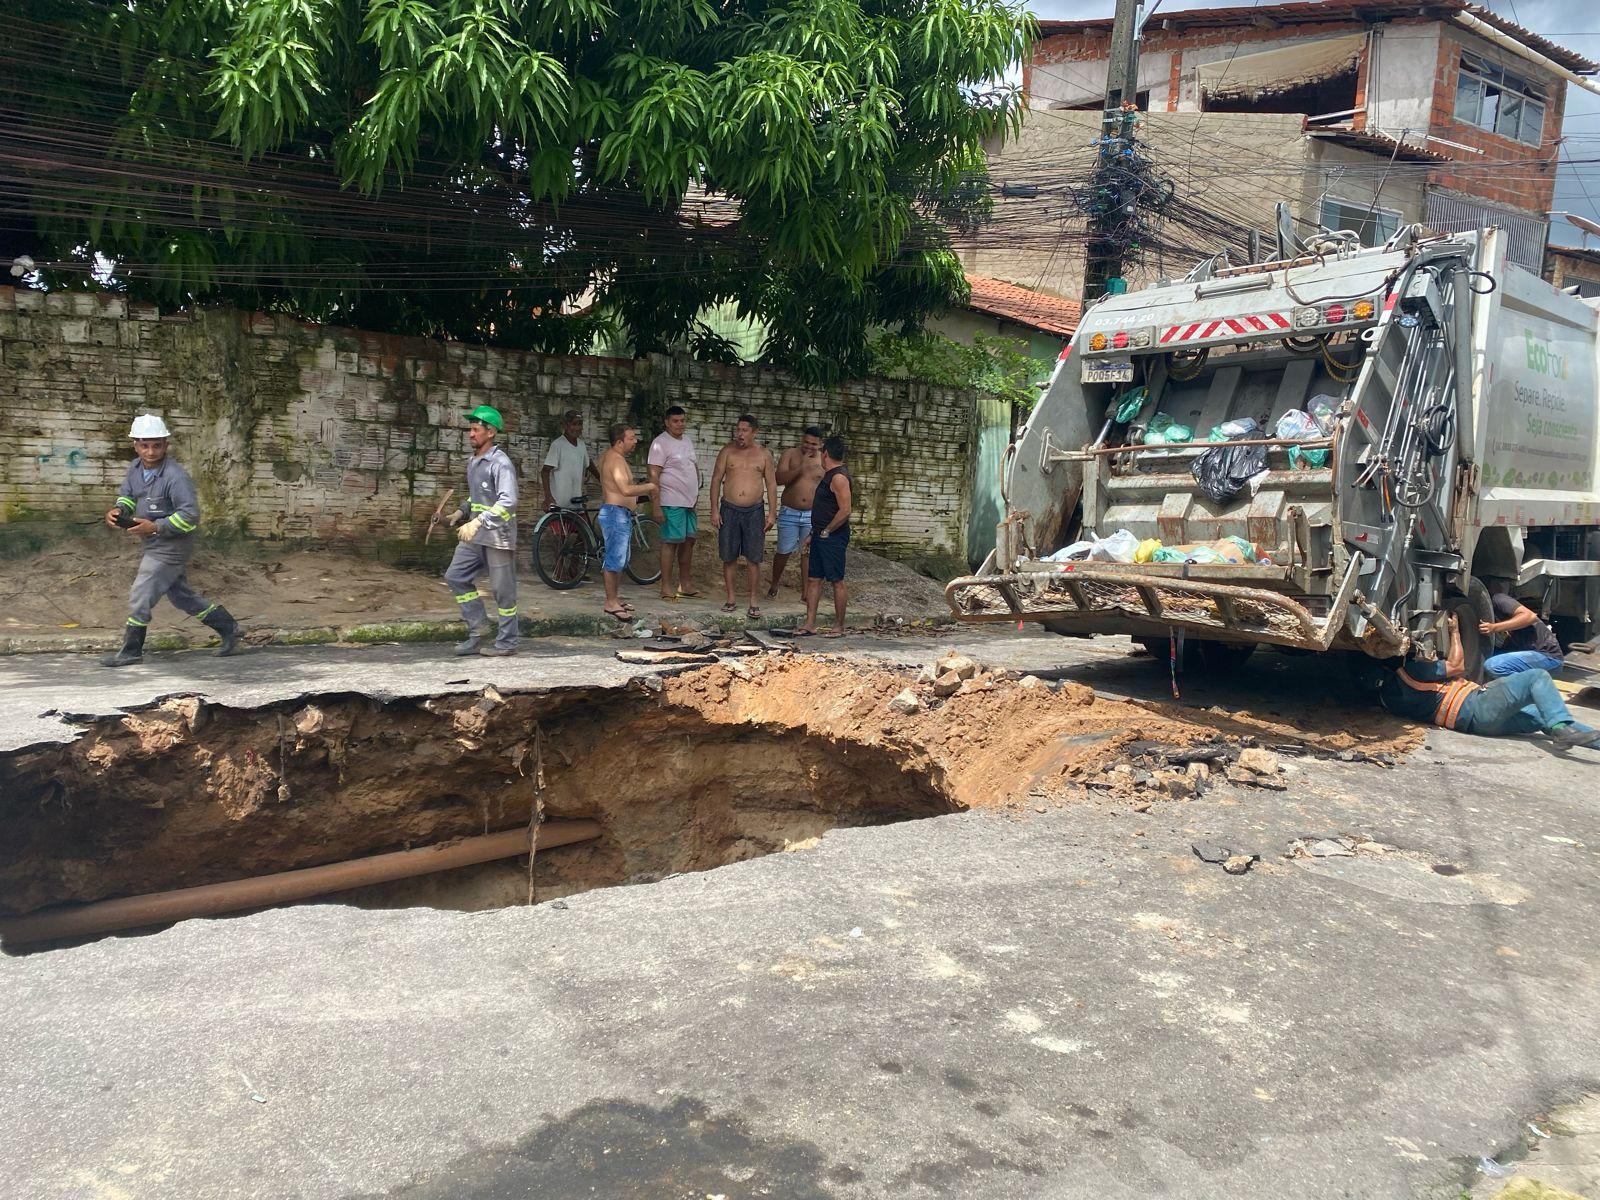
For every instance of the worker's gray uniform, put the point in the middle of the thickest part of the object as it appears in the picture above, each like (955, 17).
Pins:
(491, 495)
(168, 499)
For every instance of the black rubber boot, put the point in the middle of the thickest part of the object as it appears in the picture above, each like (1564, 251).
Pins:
(132, 648)
(221, 620)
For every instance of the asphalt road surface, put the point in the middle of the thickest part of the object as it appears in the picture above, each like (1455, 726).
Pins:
(1063, 1004)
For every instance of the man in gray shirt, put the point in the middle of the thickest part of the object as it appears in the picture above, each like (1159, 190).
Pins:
(488, 539)
(159, 506)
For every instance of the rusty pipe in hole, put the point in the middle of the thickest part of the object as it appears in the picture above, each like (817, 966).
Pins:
(211, 899)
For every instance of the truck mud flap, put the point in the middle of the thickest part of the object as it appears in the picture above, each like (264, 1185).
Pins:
(1083, 593)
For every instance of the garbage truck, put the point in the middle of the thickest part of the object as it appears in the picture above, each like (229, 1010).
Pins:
(1334, 450)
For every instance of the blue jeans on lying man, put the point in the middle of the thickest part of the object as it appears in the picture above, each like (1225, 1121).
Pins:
(1526, 702)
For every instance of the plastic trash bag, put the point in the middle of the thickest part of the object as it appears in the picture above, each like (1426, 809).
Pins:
(1121, 546)
(1130, 404)
(1069, 553)
(1223, 550)
(1323, 410)
(1295, 424)
(1223, 471)
(1164, 431)
(1147, 549)
(1230, 430)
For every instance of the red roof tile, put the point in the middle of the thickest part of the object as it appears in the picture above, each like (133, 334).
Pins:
(1048, 314)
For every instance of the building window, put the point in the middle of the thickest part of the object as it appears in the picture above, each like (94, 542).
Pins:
(1500, 101)
(1375, 225)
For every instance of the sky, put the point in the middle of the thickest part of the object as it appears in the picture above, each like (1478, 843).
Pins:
(1574, 24)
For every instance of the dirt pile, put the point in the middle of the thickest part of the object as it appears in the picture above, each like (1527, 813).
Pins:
(684, 773)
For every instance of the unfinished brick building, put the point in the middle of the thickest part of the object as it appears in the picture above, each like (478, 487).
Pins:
(1363, 115)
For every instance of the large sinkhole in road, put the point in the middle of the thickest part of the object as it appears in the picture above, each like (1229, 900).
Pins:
(692, 772)
(676, 774)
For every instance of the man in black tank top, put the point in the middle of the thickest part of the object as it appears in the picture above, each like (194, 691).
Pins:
(830, 535)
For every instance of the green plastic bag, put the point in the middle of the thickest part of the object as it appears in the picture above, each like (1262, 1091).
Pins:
(1130, 404)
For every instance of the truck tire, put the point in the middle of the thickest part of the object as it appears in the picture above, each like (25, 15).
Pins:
(1224, 658)
(1468, 613)
(1160, 649)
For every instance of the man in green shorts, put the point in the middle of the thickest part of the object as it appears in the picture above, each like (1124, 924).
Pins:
(676, 471)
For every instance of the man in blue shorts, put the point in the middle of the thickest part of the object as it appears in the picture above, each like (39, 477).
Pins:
(675, 469)
(799, 471)
(830, 536)
(619, 496)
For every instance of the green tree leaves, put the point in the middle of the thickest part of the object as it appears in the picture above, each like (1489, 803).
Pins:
(486, 168)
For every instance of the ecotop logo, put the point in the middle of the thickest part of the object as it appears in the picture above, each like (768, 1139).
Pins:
(1542, 358)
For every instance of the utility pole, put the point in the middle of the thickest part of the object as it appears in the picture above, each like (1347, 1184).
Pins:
(1112, 204)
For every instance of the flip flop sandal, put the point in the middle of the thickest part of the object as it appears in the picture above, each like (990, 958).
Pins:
(752, 613)
(805, 633)
(728, 608)
(621, 614)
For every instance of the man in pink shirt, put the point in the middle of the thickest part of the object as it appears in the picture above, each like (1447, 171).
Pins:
(675, 470)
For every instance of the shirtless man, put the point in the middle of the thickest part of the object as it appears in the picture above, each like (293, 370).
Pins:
(744, 505)
(619, 496)
(798, 472)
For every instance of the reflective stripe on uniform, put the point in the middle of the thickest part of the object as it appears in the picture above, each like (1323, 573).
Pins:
(480, 507)
(1452, 695)
(503, 513)
(137, 622)
(466, 597)
(508, 612)
(181, 525)
(207, 611)
(126, 502)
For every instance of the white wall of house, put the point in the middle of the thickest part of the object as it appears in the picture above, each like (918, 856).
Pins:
(1402, 61)
(1071, 84)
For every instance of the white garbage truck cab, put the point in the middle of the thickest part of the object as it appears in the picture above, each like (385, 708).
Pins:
(1331, 452)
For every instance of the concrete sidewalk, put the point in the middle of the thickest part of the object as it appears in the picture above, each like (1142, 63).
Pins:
(418, 609)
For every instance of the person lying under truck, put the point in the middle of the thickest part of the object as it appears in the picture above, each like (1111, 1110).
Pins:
(159, 508)
(1528, 643)
(1524, 703)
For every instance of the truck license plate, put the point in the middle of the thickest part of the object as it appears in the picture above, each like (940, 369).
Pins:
(1108, 370)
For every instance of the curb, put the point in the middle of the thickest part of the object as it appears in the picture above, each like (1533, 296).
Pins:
(370, 633)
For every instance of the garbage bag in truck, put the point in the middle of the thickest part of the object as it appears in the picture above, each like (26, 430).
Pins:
(1223, 471)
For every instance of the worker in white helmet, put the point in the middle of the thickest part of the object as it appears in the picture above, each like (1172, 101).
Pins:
(158, 506)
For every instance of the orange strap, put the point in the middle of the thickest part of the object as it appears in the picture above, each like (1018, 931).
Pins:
(1452, 695)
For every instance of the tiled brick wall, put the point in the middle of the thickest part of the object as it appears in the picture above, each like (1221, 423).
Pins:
(1530, 182)
(314, 433)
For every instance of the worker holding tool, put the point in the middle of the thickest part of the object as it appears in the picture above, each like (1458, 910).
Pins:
(488, 539)
(159, 507)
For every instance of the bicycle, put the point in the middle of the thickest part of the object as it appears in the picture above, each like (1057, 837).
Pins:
(566, 543)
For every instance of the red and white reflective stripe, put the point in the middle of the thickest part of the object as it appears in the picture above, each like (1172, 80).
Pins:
(1267, 322)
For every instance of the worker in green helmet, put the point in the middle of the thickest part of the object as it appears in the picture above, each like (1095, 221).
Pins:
(159, 507)
(488, 539)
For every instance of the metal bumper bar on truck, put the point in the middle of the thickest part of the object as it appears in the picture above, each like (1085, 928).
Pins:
(1061, 594)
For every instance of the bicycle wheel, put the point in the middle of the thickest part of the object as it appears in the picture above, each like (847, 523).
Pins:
(561, 549)
(644, 555)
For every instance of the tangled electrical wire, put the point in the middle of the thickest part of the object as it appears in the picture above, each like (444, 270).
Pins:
(1125, 196)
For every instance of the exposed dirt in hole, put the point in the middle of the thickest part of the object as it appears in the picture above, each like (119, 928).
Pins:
(714, 766)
